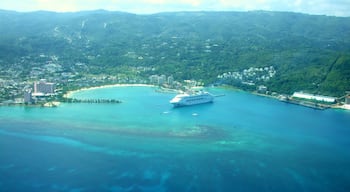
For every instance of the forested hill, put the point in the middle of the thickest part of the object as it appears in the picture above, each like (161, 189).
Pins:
(309, 53)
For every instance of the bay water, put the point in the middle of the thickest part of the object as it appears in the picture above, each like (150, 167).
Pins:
(240, 142)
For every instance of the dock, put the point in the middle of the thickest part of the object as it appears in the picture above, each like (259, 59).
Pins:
(221, 95)
(70, 100)
(308, 104)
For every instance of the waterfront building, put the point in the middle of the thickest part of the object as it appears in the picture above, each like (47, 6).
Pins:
(43, 88)
(308, 96)
(162, 79)
(347, 100)
(28, 96)
(170, 80)
(156, 79)
(153, 79)
(262, 89)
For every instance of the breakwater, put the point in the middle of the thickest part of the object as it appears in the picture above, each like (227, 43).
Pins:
(308, 104)
(71, 100)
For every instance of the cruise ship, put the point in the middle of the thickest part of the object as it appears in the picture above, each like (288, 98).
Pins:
(186, 99)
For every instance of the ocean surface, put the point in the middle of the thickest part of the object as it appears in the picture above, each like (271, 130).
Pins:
(241, 142)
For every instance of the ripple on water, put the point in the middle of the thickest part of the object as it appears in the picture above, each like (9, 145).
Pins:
(51, 169)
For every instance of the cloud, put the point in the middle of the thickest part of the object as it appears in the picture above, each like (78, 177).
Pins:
(322, 7)
(327, 7)
(63, 5)
(169, 2)
(318, 7)
(244, 4)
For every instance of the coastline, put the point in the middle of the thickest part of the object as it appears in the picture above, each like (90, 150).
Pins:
(343, 107)
(70, 93)
(309, 104)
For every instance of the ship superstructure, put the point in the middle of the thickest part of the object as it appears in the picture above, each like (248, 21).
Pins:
(187, 99)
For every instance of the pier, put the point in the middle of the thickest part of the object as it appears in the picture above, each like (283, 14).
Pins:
(308, 104)
(70, 100)
(221, 95)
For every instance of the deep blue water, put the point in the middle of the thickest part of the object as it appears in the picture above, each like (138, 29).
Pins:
(241, 142)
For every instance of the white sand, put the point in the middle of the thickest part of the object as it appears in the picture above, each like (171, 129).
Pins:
(70, 93)
(346, 107)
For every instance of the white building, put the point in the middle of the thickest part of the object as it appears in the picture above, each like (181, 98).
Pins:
(347, 100)
(154, 79)
(262, 89)
(28, 96)
(314, 97)
(162, 79)
(43, 88)
(170, 80)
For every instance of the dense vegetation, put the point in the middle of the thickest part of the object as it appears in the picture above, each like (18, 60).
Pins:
(309, 53)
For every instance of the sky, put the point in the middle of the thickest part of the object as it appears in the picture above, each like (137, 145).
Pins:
(314, 7)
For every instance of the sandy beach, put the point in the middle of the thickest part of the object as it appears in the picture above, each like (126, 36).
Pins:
(345, 107)
(70, 93)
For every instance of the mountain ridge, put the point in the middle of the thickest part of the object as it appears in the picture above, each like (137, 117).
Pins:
(190, 45)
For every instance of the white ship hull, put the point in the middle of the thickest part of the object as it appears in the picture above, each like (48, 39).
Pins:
(194, 99)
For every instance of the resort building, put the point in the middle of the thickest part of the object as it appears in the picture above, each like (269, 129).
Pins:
(347, 100)
(308, 96)
(155, 79)
(43, 88)
(262, 89)
(28, 96)
(162, 79)
(170, 80)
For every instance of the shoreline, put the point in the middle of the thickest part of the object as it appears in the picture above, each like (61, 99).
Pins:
(343, 107)
(70, 93)
(309, 104)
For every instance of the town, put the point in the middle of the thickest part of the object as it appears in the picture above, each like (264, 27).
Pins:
(47, 81)
(250, 76)
(256, 76)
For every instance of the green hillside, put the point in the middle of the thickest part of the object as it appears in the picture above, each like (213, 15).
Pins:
(309, 53)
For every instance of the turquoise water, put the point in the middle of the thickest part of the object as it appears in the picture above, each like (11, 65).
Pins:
(241, 142)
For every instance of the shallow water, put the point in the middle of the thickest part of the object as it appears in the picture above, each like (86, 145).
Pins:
(241, 142)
